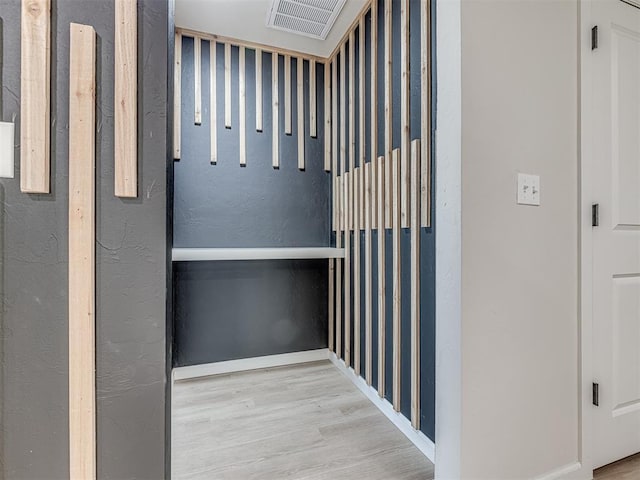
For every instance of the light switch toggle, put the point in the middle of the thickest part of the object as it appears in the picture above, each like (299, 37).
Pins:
(528, 189)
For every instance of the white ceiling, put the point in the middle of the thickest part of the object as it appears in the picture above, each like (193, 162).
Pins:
(246, 20)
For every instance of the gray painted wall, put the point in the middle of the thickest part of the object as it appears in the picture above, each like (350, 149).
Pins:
(131, 268)
(230, 310)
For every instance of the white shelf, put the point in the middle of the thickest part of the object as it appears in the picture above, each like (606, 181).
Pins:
(282, 253)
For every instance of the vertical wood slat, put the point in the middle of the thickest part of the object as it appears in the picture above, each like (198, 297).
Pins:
(361, 195)
(374, 193)
(361, 96)
(415, 283)
(275, 136)
(343, 121)
(425, 108)
(367, 272)
(313, 99)
(405, 113)
(126, 100)
(347, 268)
(346, 313)
(352, 119)
(388, 97)
(381, 170)
(352, 113)
(334, 129)
(374, 104)
(327, 119)
(82, 236)
(338, 320)
(405, 188)
(356, 269)
(332, 295)
(397, 290)
(388, 205)
(258, 69)
(374, 114)
(300, 105)
(227, 85)
(35, 74)
(197, 79)
(242, 110)
(213, 121)
(177, 96)
(287, 94)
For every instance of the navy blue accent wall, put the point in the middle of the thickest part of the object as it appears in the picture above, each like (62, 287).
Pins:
(229, 310)
(283, 309)
(427, 235)
(226, 205)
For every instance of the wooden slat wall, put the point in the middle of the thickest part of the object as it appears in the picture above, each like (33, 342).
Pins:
(35, 74)
(82, 238)
(391, 192)
(356, 269)
(126, 99)
(177, 96)
(397, 291)
(415, 283)
(213, 121)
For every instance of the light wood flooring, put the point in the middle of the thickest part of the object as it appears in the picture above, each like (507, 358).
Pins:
(298, 422)
(627, 469)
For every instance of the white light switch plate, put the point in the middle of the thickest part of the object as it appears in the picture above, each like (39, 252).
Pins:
(6, 149)
(528, 189)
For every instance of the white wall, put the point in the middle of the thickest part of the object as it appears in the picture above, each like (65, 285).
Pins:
(519, 329)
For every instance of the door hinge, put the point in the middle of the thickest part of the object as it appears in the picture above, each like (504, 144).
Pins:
(594, 38)
(595, 215)
(596, 394)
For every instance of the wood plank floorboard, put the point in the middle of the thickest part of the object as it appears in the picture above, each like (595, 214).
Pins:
(626, 469)
(304, 422)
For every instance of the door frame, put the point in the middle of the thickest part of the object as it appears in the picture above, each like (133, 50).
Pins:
(585, 275)
(586, 198)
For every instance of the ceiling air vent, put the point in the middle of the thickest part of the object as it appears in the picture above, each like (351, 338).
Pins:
(311, 18)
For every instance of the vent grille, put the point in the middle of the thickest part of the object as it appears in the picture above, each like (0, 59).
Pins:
(311, 18)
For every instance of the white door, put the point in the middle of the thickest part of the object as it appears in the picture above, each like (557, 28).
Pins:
(615, 149)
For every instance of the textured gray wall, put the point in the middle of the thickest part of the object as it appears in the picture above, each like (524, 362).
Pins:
(131, 268)
(229, 310)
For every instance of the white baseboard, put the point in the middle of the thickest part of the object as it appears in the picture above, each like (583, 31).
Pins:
(419, 439)
(562, 472)
(243, 364)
